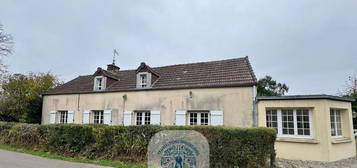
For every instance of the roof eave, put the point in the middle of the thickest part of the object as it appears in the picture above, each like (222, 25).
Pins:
(160, 88)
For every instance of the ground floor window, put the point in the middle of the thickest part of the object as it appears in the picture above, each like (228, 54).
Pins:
(63, 117)
(290, 122)
(143, 118)
(336, 123)
(198, 118)
(98, 117)
(272, 119)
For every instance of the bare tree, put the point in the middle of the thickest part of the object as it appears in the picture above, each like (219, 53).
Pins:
(6, 42)
(351, 85)
(6, 45)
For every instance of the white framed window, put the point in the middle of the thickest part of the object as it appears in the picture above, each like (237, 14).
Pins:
(63, 117)
(99, 83)
(303, 122)
(98, 117)
(143, 80)
(290, 122)
(336, 123)
(272, 119)
(143, 118)
(198, 118)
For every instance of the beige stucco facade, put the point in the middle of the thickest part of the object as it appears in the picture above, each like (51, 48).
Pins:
(237, 105)
(321, 146)
(235, 102)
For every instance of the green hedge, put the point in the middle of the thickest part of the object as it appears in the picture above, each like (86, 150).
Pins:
(229, 147)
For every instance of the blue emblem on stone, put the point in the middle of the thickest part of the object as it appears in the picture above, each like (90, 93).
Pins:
(178, 154)
(178, 149)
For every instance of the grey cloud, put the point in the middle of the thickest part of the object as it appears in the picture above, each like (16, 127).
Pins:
(309, 44)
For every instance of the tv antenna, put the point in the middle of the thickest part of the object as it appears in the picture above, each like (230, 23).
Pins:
(115, 53)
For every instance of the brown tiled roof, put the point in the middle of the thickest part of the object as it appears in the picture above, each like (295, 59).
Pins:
(224, 73)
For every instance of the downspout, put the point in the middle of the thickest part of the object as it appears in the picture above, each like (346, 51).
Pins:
(125, 97)
(79, 98)
(255, 114)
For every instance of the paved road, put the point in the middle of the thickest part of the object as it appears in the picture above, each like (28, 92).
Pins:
(9, 159)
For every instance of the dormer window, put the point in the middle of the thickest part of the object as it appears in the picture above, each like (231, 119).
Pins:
(143, 80)
(99, 83)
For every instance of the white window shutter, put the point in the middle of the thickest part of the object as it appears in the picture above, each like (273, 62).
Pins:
(104, 83)
(86, 117)
(216, 117)
(52, 117)
(180, 117)
(70, 118)
(127, 118)
(149, 79)
(95, 84)
(155, 117)
(108, 117)
(138, 81)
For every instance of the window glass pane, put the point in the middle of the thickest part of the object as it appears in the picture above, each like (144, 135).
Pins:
(147, 118)
(193, 118)
(63, 117)
(139, 117)
(204, 118)
(143, 80)
(302, 120)
(101, 113)
(272, 119)
(336, 122)
(288, 121)
(98, 117)
(99, 83)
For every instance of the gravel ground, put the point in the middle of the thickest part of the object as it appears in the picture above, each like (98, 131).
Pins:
(346, 163)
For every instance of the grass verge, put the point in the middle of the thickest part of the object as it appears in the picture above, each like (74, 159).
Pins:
(72, 159)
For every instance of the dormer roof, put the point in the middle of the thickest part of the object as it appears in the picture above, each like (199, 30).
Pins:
(102, 72)
(145, 68)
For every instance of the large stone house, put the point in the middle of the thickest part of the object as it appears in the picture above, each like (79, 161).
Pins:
(218, 93)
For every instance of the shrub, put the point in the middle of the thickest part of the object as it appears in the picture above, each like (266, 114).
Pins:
(229, 147)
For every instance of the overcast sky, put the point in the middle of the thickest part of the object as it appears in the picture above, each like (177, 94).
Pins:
(311, 45)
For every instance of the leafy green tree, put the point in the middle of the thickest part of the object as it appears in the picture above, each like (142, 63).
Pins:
(268, 87)
(22, 96)
(354, 104)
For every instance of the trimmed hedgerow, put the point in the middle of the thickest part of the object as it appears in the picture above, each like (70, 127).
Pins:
(229, 147)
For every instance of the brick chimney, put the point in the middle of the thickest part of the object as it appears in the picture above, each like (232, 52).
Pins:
(112, 68)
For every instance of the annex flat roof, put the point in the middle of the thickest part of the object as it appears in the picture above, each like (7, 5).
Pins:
(305, 97)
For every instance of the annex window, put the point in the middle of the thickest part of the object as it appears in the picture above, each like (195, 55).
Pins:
(63, 117)
(198, 118)
(98, 117)
(336, 123)
(143, 118)
(303, 121)
(99, 83)
(272, 119)
(290, 122)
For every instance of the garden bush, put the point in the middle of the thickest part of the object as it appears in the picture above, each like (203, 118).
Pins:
(229, 147)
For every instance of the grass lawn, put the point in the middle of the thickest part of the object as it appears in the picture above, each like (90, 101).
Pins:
(72, 159)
